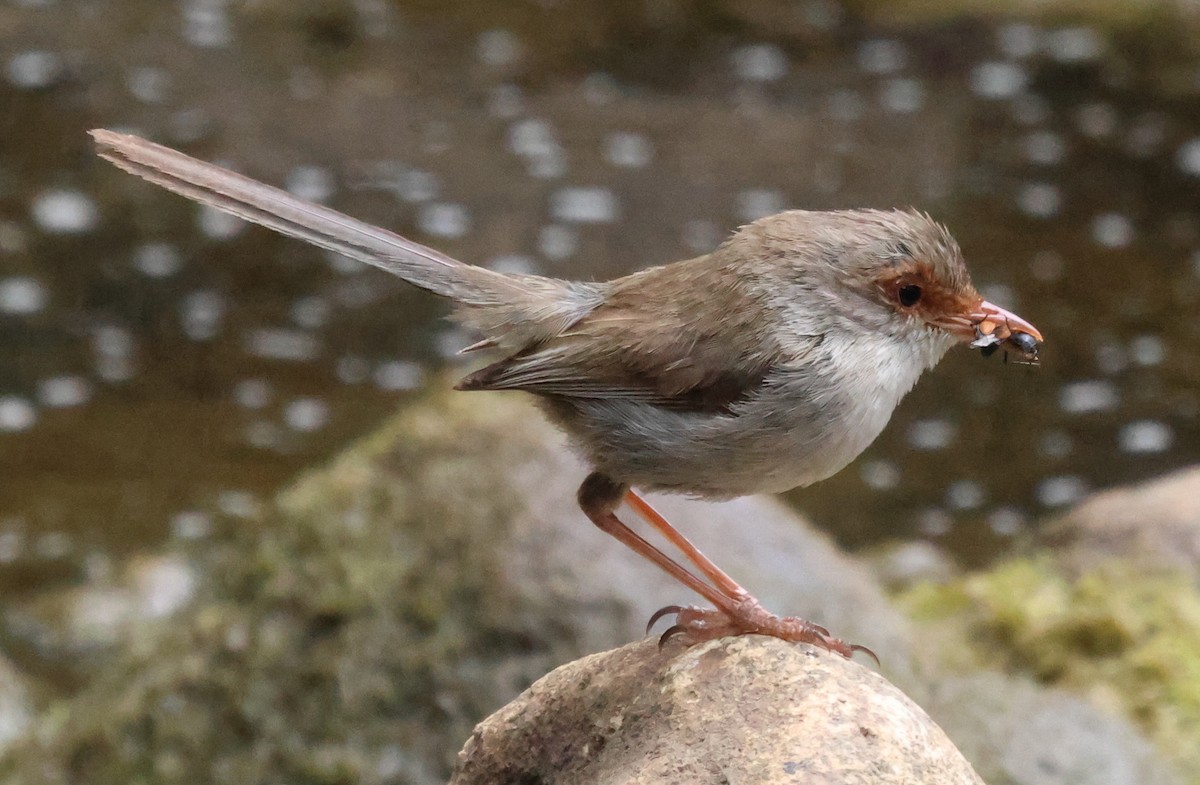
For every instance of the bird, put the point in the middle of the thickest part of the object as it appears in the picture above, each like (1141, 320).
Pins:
(768, 364)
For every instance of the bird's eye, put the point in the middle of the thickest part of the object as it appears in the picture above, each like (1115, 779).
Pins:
(909, 295)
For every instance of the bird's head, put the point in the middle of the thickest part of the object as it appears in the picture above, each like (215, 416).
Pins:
(891, 277)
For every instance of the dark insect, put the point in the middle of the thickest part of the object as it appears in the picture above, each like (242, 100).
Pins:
(1021, 343)
(1026, 344)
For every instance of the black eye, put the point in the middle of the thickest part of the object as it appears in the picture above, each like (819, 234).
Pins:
(909, 295)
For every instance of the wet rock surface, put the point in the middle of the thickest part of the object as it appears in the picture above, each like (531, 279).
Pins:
(746, 709)
(1154, 525)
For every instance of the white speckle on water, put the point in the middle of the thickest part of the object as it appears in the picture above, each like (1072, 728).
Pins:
(1112, 230)
(902, 96)
(1047, 265)
(12, 546)
(191, 525)
(1147, 350)
(444, 219)
(65, 211)
(514, 263)
(1040, 200)
(600, 89)
(311, 182)
(1056, 444)
(755, 203)
(1090, 396)
(157, 260)
(52, 546)
(1074, 45)
(965, 495)
(239, 504)
(498, 47)
(1145, 436)
(217, 225)
(310, 312)
(277, 343)
(628, 150)
(62, 392)
(760, 63)
(934, 522)
(557, 242)
(1188, 157)
(16, 414)
(532, 138)
(880, 475)
(1045, 147)
(584, 205)
(931, 434)
(1096, 120)
(22, 295)
(149, 85)
(1111, 357)
(206, 23)
(1019, 40)
(881, 56)
(352, 369)
(264, 435)
(997, 80)
(201, 314)
(1006, 521)
(306, 414)
(399, 376)
(416, 186)
(113, 347)
(252, 393)
(703, 236)
(1060, 491)
(34, 69)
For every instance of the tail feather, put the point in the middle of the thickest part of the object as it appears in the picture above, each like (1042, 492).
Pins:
(512, 310)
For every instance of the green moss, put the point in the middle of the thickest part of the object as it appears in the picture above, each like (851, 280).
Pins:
(1127, 639)
(335, 638)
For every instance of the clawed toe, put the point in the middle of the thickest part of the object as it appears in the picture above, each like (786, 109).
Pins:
(661, 612)
(694, 625)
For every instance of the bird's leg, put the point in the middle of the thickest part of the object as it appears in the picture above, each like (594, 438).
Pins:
(599, 496)
(736, 611)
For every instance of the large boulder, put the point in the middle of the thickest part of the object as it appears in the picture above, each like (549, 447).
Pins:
(748, 709)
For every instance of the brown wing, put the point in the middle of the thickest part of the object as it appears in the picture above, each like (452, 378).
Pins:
(652, 340)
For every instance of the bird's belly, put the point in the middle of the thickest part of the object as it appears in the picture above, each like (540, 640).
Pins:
(768, 449)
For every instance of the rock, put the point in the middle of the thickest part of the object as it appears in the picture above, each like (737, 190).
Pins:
(388, 601)
(362, 625)
(1127, 640)
(744, 709)
(1017, 731)
(1155, 524)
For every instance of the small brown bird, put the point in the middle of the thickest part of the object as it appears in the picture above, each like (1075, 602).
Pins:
(768, 364)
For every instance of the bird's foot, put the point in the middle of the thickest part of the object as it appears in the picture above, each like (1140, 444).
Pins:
(748, 617)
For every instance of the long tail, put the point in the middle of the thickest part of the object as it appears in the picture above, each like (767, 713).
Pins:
(512, 310)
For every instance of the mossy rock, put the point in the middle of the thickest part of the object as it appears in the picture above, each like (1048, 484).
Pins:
(1126, 639)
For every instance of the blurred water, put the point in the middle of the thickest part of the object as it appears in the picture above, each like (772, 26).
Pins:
(158, 361)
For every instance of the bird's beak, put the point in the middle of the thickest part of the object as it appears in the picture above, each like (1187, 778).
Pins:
(987, 324)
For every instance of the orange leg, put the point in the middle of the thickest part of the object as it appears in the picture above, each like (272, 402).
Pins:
(736, 611)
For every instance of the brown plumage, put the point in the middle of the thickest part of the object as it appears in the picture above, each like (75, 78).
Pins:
(768, 364)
